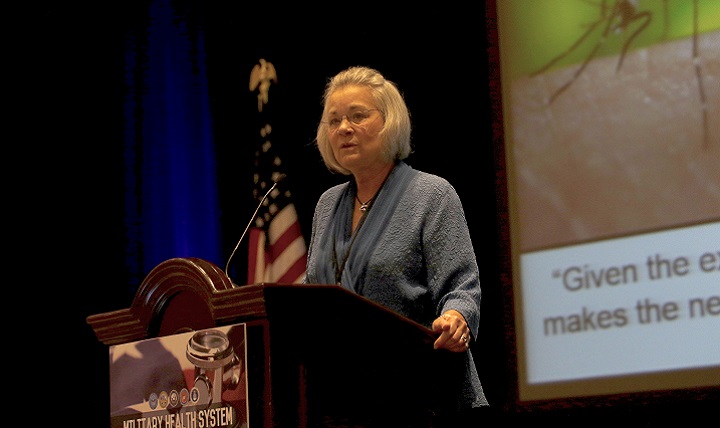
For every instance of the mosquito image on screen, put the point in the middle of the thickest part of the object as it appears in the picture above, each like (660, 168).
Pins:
(627, 20)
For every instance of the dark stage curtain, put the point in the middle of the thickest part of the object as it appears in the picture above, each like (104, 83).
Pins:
(171, 193)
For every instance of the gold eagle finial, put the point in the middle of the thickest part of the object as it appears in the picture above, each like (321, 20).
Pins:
(260, 77)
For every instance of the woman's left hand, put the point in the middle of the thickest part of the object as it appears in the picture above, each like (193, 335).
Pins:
(454, 332)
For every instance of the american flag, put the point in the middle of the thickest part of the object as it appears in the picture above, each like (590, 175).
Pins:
(277, 251)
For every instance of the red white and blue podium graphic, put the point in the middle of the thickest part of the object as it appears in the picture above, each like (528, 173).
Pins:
(187, 380)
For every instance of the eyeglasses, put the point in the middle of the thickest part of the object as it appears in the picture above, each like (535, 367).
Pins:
(358, 117)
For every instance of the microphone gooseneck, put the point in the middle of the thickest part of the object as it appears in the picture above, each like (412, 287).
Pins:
(227, 266)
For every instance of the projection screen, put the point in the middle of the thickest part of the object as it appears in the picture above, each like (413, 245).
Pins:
(611, 114)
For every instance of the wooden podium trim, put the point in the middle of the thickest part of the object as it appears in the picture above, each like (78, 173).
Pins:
(204, 288)
(165, 282)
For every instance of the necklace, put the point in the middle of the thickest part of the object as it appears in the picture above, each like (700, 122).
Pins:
(364, 206)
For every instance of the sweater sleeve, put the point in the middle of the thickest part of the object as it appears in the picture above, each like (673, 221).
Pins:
(453, 273)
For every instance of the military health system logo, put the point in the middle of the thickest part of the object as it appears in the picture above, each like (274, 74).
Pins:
(174, 398)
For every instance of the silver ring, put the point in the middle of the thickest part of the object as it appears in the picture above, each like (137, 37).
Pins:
(463, 338)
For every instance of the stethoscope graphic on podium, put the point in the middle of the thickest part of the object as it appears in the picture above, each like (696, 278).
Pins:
(217, 366)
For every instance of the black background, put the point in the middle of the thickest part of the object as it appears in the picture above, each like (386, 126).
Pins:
(72, 58)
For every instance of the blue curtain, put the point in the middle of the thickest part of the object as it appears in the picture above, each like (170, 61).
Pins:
(171, 202)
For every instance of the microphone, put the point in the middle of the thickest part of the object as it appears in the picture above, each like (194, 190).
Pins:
(275, 183)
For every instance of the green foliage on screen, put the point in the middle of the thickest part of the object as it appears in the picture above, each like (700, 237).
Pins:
(533, 32)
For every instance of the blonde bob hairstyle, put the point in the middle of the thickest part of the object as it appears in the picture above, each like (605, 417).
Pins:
(388, 100)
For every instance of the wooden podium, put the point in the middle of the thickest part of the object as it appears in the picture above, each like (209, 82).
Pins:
(318, 355)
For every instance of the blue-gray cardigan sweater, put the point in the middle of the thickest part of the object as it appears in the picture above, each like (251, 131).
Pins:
(413, 254)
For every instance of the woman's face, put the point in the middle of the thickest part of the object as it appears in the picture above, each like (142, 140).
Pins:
(354, 126)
